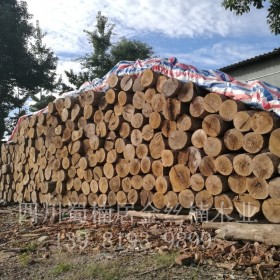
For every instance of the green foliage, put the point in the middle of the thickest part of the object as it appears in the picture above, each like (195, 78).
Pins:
(130, 50)
(24, 64)
(105, 54)
(244, 6)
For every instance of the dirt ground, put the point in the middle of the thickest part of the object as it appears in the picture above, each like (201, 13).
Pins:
(62, 244)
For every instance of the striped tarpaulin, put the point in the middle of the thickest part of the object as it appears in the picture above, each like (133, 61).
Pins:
(255, 93)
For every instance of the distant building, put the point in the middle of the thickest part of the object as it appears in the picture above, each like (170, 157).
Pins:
(265, 67)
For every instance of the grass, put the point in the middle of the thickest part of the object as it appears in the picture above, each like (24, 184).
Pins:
(25, 259)
(61, 268)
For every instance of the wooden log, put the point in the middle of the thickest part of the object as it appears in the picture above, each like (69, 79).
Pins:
(110, 96)
(114, 81)
(146, 198)
(257, 187)
(121, 198)
(128, 112)
(88, 112)
(172, 109)
(254, 142)
(198, 138)
(138, 100)
(179, 176)
(118, 109)
(147, 110)
(265, 165)
(132, 197)
(97, 173)
(136, 137)
(102, 200)
(264, 233)
(223, 204)
(197, 181)
(127, 82)
(122, 167)
(93, 186)
(149, 78)
(126, 184)
(124, 130)
(224, 164)
(167, 127)
(115, 184)
(155, 120)
(129, 152)
(270, 209)
(188, 123)
(93, 199)
(101, 130)
(158, 200)
(137, 182)
(149, 94)
(69, 102)
(156, 146)
(214, 146)
(188, 91)
(124, 98)
(246, 205)
(146, 164)
(242, 164)
(75, 112)
(190, 157)
(158, 102)
(242, 120)
(160, 82)
(197, 109)
(179, 140)
(214, 125)
(207, 166)
(233, 139)
(137, 85)
(168, 157)
(263, 122)
(147, 132)
(213, 101)
(149, 182)
(103, 185)
(142, 151)
(186, 198)
(134, 166)
(171, 87)
(171, 200)
(230, 108)
(157, 168)
(112, 198)
(274, 142)
(98, 116)
(162, 184)
(204, 200)
(274, 187)
(216, 184)
(87, 97)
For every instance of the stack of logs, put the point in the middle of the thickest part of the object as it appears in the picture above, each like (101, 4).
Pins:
(147, 139)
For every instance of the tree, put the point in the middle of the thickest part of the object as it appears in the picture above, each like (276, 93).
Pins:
(130, 50)
(19, 66)
(105, 54)
(243, 6)
(46, 75)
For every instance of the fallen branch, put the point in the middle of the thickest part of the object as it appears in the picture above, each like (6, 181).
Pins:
(159, 216)
(266, 233)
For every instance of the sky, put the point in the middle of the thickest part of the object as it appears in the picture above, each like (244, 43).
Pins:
(198, 32)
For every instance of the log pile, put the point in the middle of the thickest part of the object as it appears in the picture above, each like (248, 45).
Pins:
(147, 139)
